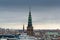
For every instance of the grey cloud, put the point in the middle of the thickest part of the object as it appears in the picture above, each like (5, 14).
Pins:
(32, 2)
(42, 11)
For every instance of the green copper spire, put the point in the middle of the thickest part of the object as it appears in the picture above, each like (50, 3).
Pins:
(29, 19)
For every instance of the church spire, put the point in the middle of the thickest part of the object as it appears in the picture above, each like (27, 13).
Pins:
(29, 18)
(30, 27)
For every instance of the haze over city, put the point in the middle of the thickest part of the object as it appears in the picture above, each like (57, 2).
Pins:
(45, 14)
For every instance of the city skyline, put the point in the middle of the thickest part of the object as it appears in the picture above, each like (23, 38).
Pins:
(45, 14)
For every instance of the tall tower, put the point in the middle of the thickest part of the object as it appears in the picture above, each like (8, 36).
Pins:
(30, 27)
(23, 28)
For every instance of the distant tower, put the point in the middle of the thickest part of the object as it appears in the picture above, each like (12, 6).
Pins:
(30, 27)
(23, 28)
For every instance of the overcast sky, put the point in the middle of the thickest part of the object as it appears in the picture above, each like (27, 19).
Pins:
(45, 13)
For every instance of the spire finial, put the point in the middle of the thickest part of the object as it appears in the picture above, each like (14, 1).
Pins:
(29, 8)
(29, 4)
